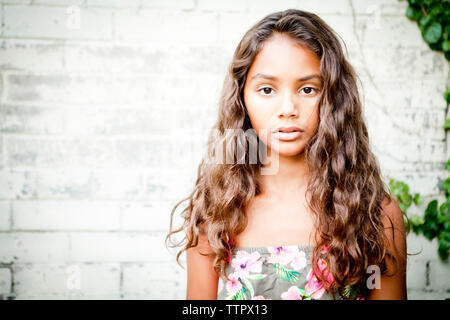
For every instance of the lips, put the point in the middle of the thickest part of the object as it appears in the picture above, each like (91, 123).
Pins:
(288, 129)
(287, 133)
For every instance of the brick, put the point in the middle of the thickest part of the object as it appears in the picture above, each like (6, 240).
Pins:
(31, 119)
(60, 3)
(371, 31)
(405, 94)
(233, 26)
(114, 3)
(15, 1)
(31, 55)
(166, 185)
(419, 123)
(65, 215)
(414, 294)
(56, 22)
(324, 7)
(142, 153)
(63, 183)
(425, 183)
(135, 89)
(5, 282)
(344, 27)
(131, 121)
(111, 247)
(166, 26)
(116, 184)
(233, 5)
(158, 290)
(34, 280)
(17, 184)
(416, 273)
(439, 275)
(382, 62)
(169, 4)
(33, 247)
(425, 249)
(2, 154)
(145, 281)
(154, 58)
(148, 216)
(5, 216)
(382, 7)
(59, 153)
(417, 151)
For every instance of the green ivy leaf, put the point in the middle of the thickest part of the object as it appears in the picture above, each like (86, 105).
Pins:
(446, 185)
(432, 33)
(424, 22)
(447, 165)
(447, 31)
(447, 124)
(447, 95)
(446, 45)
(413, 13)
(418, 199)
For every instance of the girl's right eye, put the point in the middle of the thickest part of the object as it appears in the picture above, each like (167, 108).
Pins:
(266, 91)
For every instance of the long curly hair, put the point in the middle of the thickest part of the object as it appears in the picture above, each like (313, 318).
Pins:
(345, 188)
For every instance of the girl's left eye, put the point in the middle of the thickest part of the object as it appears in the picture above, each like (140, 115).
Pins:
(266, 90)
(309, 90)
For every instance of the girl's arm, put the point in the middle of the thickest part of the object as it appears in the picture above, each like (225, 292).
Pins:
(202, 281)
(394, 287)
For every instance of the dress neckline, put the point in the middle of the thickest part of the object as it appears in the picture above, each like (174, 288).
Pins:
(264, 248)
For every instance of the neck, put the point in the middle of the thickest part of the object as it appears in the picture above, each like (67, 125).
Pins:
(289, 180)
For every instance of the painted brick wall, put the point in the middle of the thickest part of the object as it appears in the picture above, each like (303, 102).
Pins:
(89, 170)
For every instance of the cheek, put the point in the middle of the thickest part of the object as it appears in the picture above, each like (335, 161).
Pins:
(257, 112)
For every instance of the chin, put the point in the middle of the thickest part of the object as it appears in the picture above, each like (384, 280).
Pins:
(289, 151)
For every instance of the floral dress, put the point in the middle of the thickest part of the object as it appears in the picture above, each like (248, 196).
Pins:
(276, 273)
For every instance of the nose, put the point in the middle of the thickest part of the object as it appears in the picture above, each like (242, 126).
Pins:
(288, 107)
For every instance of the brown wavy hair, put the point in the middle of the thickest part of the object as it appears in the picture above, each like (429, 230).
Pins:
(345, 188)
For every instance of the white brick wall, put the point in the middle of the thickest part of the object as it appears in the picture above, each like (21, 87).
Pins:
(88, 171)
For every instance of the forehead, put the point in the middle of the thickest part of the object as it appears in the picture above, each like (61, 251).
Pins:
(281, 56)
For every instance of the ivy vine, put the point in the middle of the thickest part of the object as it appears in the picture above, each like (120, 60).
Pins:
(433, 20)
(435, 222)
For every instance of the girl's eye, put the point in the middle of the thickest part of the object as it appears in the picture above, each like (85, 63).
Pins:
(308, 90)
(266, 90)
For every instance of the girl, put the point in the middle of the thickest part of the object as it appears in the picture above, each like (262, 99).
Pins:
(321, 224)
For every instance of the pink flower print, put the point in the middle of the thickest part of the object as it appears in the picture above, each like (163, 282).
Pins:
(282, 255)
(233, 285)
(220, 285)
(245, 262)
(299, 261)
(314, 288)
(293, 293)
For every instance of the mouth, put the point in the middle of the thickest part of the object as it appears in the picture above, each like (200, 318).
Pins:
(286, 129)
(287, 135)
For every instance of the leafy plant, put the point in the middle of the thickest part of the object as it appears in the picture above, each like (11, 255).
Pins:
(435, 222)
(433, 20)
(432, 17)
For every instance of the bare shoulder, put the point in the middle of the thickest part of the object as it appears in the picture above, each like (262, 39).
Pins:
(393, 283)
(392, 215)
(201, 279)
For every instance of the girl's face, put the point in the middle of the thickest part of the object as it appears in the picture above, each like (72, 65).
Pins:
(283, 88)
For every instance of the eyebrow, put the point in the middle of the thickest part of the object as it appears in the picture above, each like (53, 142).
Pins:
(265, 76)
